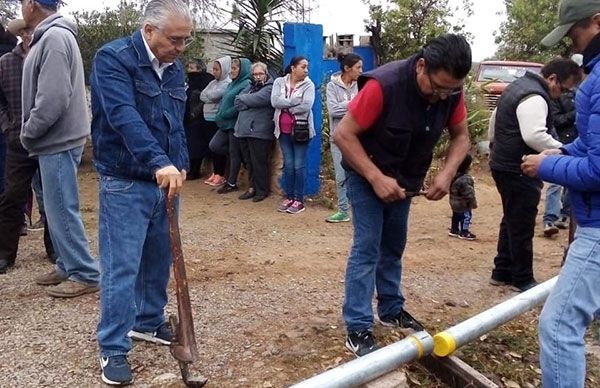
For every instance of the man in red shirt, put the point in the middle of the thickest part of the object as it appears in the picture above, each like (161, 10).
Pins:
(387, 140)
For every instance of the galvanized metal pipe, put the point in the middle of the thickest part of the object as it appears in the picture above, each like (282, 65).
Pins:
(446, 342)
(373, 365)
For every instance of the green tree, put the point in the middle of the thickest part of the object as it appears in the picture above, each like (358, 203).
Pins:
(400, 27)
(8, 10)
(526, 24)
(99, 27)
(258, 32)
(95, 28)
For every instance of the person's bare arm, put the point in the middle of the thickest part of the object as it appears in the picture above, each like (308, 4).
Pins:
(457, 150)
(346, 137)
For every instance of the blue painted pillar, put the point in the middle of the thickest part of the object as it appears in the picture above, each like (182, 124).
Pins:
(307, 40)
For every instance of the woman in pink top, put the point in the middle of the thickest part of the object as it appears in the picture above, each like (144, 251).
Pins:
(292, 97)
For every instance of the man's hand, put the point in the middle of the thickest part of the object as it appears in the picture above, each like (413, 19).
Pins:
(531, 163)
(387, 189)
(551, 151)
(171, 179)
(440, 187)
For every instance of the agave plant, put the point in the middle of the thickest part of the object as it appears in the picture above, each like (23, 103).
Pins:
(259, 31)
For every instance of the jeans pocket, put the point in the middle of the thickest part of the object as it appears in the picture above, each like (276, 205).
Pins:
(110, 184)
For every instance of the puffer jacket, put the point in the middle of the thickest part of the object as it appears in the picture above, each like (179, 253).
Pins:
(579, 169)
(462, 194)
(255, 119)
(227, 114)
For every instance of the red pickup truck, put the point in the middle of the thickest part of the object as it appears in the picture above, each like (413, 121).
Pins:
(494, 76)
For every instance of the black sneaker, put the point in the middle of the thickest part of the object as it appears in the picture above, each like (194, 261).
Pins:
(227, 188)
(361, 342)
(550, 229)
(453, 233)
(116, 370)
(467, 235)
(402, 320)
(162, 336)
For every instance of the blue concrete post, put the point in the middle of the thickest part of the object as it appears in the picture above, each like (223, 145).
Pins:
(307, 40)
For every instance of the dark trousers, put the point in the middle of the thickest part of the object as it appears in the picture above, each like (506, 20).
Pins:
(256, 154)
(219, 161)
(460, 221)
(19, 171)
(520, 197)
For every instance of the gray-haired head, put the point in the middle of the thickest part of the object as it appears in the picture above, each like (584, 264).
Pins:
(158, 11)
(261, 65)
(200, 65)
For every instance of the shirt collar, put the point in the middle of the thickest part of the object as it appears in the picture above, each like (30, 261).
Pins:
(156, 65)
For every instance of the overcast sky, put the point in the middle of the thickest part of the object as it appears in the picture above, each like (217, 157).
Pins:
(346, 16)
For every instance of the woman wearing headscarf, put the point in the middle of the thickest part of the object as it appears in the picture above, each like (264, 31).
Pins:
(224, 142)
(211, 96)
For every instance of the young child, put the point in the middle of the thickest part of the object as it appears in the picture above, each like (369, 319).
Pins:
(462, 201)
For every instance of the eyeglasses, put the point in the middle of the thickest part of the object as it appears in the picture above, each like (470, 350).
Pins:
(258, 74)
(564, 89)
(176, 41)
(436, 90)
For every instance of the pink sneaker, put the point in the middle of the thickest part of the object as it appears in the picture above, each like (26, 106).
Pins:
(218, 181)
(210, 179)
(285, 205)
(296, 207)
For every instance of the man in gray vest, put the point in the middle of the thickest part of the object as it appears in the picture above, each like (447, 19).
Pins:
(521, 125)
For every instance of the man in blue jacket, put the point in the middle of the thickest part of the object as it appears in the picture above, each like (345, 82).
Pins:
(575, 299)
(140, 152)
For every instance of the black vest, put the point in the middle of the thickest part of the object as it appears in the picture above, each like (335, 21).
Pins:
(401, 142)
(508, 145)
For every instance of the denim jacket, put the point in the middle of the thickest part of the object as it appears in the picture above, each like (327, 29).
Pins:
(137, 124)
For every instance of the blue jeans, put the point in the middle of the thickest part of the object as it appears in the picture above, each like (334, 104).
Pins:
(61, 199)
(376, 257)
(568, 312)
(135, 257)
(557, 203)
(340, 178)
(294, 166)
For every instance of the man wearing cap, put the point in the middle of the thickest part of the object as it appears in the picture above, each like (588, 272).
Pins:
(20, 168)
(55, 128)
(575, 299)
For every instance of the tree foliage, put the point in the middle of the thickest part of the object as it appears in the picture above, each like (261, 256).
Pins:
(526, 24)
(8, 10)
(400, 27)
(96, 28)
(258, 32)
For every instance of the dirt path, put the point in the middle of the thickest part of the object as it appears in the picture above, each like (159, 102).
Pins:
(266, 288)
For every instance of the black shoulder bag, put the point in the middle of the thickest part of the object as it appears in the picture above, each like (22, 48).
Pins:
(301, 131)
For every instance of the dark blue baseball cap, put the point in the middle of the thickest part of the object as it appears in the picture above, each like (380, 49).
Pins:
(48, 2)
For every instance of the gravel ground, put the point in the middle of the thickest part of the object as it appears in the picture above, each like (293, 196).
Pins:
(266, 290)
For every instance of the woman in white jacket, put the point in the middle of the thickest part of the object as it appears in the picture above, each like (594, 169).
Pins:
(340, 90)
(292, 97)
(211, 96)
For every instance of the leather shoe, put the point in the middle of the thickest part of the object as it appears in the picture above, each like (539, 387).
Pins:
(247, 195)
(258, 198)
(5, 265)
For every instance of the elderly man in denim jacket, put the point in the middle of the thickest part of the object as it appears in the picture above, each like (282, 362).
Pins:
(138, 103)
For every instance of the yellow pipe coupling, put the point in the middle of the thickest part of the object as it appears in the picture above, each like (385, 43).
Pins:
(444, 344)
